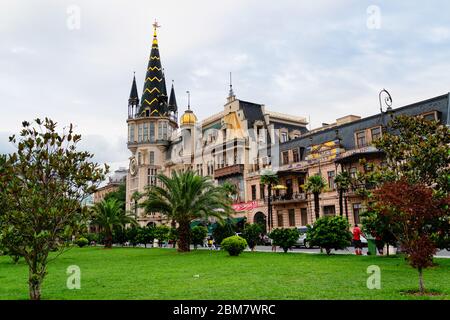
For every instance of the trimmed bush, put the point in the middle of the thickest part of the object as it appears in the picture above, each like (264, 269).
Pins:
(285, 238)
(198, 235)
(252, 234)
(81, 242)
(234, 245)
(330, 233)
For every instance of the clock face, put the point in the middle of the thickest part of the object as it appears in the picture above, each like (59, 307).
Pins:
(133, 167)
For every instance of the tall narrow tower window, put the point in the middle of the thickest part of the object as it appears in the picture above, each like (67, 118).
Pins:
(164, 130)
(140, 133)
(131, 137)
(151, 157)
(145, 132)
(152, 132)
(160, 131)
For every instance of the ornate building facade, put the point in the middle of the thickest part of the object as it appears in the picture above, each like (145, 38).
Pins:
(238, 143)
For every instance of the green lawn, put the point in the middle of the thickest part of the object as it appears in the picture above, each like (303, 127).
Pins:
(125, 273)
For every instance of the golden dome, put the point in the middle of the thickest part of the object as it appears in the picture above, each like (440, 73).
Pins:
(188, 118)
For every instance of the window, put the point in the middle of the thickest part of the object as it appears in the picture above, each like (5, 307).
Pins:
(253, 192)
(284, 137)
(152, 132)
(356, 212)
(160, 131)
(301, 183)
(329, 210)
(145, 138)
(296, 155)
(353, 172)
(285, 157)
(376, 133)
(140, 133)
(132, 138)
(331, 180)
(164, 126)
(430, 116)
(304, 216)
(292, 217)
(261, 191)
(361, 139)
(280, 218)
(139, 158)
(152, 173)
(151, 157)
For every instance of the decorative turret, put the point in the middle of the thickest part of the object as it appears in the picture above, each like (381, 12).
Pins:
(154, 97)
(133, 100)
(188, 118)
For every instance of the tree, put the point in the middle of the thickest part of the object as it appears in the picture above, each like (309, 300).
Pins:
(252, 234)
(109, 215)
(329, 233)
(415, 208)
(120, 195)
(343, 183)
(133, 235)
(146, 235)
(42, 185)
(315, 184)
(230, 189)
(161, 233)
(184, 197)
(381, 226)
(224, 229)
(269, 179)
(285, 238)
(417, 149)
(198, 235)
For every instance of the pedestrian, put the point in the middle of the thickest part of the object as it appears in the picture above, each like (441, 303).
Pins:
(357, 240)
(210, 243)
(274, 247)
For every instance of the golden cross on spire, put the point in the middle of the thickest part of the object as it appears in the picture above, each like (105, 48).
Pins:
(155, 26)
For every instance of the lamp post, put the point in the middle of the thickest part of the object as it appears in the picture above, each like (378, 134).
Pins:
(385, 99)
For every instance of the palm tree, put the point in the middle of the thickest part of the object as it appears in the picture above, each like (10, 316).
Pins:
(269, 178)
(343, 183)
(315, 184)
(184, 197)
(109, 215)
(230, 189)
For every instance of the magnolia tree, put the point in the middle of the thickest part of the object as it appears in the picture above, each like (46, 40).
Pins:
(42, 185)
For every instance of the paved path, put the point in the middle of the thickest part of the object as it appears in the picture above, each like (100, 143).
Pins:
(350, 250)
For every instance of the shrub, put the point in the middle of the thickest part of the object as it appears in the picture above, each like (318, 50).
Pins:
(252, 234)
(198, 235)
(234, 245)
(330, 233)
(285, 238)
(81, 242)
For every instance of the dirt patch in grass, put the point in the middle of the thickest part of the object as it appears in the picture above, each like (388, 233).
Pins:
(427, 293)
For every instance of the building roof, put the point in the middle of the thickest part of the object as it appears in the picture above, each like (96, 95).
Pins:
(134, 97)
(154, 97)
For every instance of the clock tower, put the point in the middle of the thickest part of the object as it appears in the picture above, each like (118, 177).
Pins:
(151, 121)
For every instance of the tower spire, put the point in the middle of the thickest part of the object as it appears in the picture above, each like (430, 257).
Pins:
(133, 100)
(173, 100)
(154, 97)
(231, 93)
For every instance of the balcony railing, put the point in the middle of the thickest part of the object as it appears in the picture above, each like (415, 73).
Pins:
(229, 170)
(287, 198)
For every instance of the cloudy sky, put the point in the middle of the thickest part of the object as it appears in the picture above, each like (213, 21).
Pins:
(73, 60)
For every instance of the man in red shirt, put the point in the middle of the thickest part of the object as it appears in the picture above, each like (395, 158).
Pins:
(357, 240)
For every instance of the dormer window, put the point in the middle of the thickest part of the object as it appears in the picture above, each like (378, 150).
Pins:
(284, 137)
